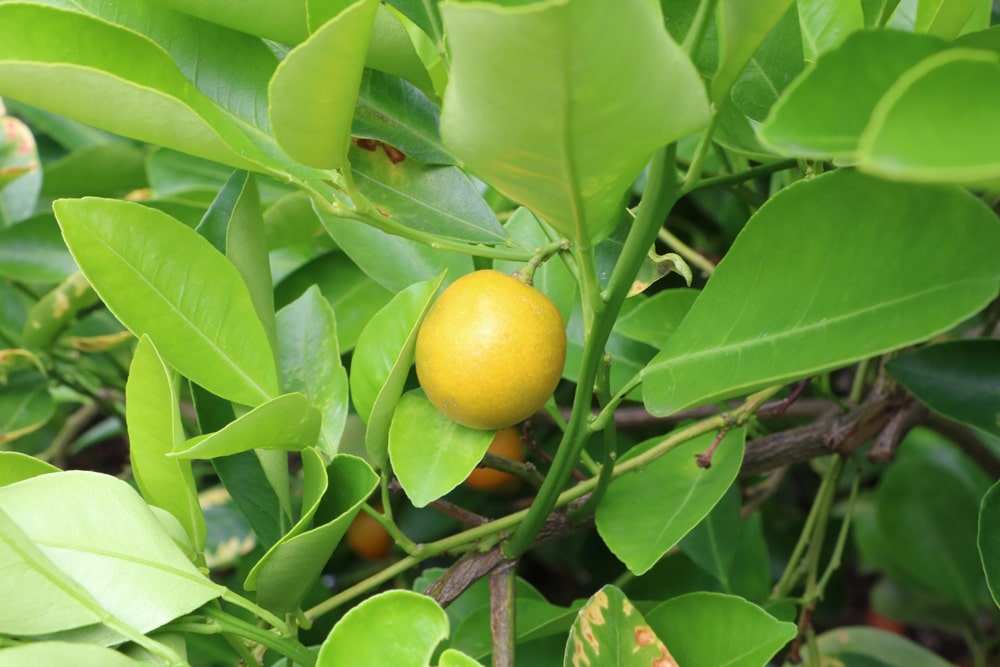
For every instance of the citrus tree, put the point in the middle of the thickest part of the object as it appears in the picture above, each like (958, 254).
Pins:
(278, 277)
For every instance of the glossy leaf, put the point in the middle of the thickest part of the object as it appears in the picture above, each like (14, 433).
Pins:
(715, 629)
(354, 297)
(288, 422)
(382, 360)
(369, 634)
(742, 28)
(57, 310)
(183, 178)
(102, 527)
(453, 658)
(654, 320)
(960, 85)
(814, 119)
(683, 492)
(314, 89)
(877, 648)
(826, 24)
(774, 66)
(107, 169)
(291, 221)
(609, 630)
(193, 303)
(110, 77)
(628, 78)
(944, 19)
(989, 540)
(392, 110)
(430, 453)
(392, 50)
(937, 531)
(438, 200)
(49, 653)
(234, 225)
(425, 15)
(310, 362)
(285, 22)
(15, 466)
(25, 405)
(780, 307)
(713, 543)
(392, 261)
(284, 575)
(152, 412)
(959, 379)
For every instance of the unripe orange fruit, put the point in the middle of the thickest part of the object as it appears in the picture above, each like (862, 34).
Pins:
(490, 351)
(367, 538)
(505, 443)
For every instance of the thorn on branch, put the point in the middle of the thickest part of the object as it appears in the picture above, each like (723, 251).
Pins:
(705, 458)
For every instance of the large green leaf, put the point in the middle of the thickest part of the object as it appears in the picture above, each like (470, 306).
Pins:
(430, 453)
(310, 362)
(826, 24)
(285, 22)
(776, 63)
(813, 118)
(959, 379)
(15, 466)
(440, 200)
(944, 18)
(609, 630)
(714, 542)
(116, 79)
(988, 539)
(314, 89)
(102, 557)
(937, 531)
(285, 573)
(683, 492)
(105, 169)
(949, 100)
(52, 653)
(585, 92)
(874, 648)
(152, 412)
(370, 633)
(879, 266)
(382, 361)
(742, 28)
(161, 278)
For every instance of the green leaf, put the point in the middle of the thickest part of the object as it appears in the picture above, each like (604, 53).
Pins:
(392, 261)
(284, 575)
(453, 658)
(877, 648)
(288, 422)
(713, 543)
(108, 169)
(988, 540)
(716, 629)
(438, 200)
(152, 412)
(102, 527)
(826, 24)
(115, 79)
(51, 654)
(654, 320)
(25, 405)
(192, 302)
(314, 89)
(609, 630)
(628, 78)
(775, 64)
(813, 118)
(944, 19)
(182, 178)
(15, 466)
(369, 634)
(393, 51)
(960, 85)
(959, 379)
(683, 492)
(742, 28)
(628, 356)
(284, 22)
(534, 618)
(57, 310)
(783, 305)
(234, 224)
(393, 111)
(937, 532)
(20, 174)
(431, 454)
(382, 360)
(310, 362)
(355, 297)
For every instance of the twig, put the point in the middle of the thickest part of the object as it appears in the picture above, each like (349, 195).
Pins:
(502, 614)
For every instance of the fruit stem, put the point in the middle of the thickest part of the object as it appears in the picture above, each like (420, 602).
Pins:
(662, 191)
(526, 274)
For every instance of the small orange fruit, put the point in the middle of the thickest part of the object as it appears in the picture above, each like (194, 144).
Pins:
(490, 351)
(367, 538)
(505, 443)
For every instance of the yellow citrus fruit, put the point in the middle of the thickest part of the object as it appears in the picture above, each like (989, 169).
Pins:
(367, 538)
(505, 443)
(490, 351)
